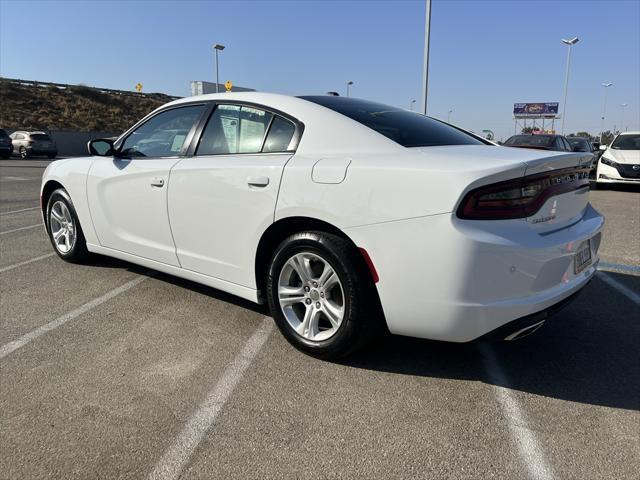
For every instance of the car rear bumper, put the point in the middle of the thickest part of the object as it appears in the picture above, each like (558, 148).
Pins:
(447, 279)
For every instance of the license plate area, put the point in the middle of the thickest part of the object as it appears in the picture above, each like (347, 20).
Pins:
(582, 257)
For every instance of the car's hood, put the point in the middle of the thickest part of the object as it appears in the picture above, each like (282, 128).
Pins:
(631, 157)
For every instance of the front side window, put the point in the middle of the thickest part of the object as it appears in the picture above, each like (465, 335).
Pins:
(164, 134)
(409, 129)
(234, 129)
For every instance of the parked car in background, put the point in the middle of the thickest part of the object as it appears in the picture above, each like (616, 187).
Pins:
(581, 144)
(342, 214)
(31, 144)
(540, 142)
(6, 146)
(620, 161)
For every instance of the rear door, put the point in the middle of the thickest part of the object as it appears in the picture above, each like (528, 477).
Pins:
(128, 196)
(223, 197)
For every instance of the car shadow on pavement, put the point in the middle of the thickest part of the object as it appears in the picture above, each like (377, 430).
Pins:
(588, 353)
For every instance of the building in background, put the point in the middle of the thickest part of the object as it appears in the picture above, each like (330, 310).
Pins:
(199, 87)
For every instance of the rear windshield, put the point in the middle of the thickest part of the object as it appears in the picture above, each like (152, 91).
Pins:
(530, 140)
(630, 141)
(40, 136)
(409, 129)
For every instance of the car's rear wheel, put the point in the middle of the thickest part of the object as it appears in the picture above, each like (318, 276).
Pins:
(64, 228)
(320, 296)
(23, 153)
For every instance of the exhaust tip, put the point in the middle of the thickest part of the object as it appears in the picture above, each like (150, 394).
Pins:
(523, 332)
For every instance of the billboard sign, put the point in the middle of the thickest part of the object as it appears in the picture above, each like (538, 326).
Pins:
(535, 110)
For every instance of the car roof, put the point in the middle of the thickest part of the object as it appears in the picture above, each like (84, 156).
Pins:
(629, 133)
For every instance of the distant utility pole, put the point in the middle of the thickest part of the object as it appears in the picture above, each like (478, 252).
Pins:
(217, 47)
(349, 83)
(425, 70)
(569, 43)
(449, 116)
(604, 108)
(411, 105)
(622, 106)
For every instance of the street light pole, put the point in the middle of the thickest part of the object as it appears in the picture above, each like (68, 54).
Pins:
(411, 105)
(449, 116)
(425, 68)
(217, 47)
(604, 108)
(569, 43)
(349, 83)
(622, 105)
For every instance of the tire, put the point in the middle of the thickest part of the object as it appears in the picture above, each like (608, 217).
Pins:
(70, 245)
(6, 157)
(23, 153)
(348, 296)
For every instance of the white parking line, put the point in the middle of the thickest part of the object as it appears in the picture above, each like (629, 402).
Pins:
(18, 211)
(171, 464)
(26, 262)
(22, 228)
(623, 289)
(11, 347)
(524, 438)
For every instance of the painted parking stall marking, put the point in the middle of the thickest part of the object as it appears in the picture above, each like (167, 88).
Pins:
(14, 345)
(29, 227)
(173, 461)
(26, 262)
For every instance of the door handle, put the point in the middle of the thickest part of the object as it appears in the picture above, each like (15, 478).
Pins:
(258, 181)
(157, 182)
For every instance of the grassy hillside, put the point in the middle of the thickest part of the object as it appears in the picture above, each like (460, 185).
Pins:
(76, 107)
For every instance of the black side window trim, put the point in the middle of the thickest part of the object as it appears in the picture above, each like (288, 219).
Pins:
(293, 145)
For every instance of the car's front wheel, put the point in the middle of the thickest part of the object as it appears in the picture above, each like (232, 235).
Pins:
(23, 153)
(64, 228)
(320, 296)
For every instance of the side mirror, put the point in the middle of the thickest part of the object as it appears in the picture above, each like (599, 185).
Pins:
(102, 147)
(602, 148)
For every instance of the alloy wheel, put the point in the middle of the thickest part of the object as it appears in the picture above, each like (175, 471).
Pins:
(311, 296)
(62, 226)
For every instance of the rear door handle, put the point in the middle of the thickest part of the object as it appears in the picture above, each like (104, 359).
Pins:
(157, 182)
(258, 181)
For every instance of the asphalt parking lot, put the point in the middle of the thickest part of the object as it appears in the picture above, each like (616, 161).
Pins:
(109, 370)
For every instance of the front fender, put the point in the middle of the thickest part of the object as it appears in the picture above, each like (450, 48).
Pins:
(72, 173)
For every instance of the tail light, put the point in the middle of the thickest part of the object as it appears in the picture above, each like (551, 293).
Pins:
(522, 197)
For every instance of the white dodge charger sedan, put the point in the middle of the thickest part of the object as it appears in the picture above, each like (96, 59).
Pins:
(346, 216)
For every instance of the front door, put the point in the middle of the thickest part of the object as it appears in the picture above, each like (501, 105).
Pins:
(127, 194)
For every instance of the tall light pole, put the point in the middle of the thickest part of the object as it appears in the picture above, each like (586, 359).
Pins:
(569, 43)
(449, 116)
(349, 83)
(604, 108)
(217, 47)
(622, 106)
(425, 69)
(413, 102)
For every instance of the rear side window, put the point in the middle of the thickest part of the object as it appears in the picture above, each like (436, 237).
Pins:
(409, 129)
(279, 136)
(234, 129)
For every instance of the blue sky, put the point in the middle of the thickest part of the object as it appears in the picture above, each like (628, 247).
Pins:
(485, 54)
